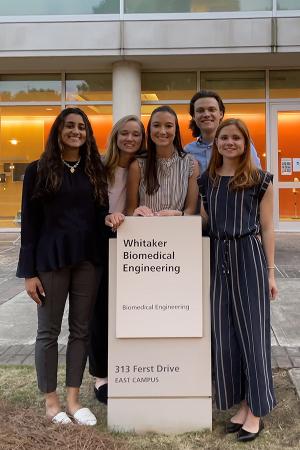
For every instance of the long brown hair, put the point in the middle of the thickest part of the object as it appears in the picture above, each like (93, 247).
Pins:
(112, 155)
(152, 184)
(246, 174)
(50, 165)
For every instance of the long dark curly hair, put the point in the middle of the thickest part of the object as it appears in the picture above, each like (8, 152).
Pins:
(152, 184)
(51, 167)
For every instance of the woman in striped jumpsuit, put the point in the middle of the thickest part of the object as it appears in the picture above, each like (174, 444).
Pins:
(163, 183)
(237, 206)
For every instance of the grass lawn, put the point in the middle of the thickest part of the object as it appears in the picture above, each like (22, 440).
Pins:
(23, 426)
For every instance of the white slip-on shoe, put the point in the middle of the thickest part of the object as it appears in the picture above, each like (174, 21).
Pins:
(61, 418)
(84, 416)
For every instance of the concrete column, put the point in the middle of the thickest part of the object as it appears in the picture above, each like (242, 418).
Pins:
(126, 89)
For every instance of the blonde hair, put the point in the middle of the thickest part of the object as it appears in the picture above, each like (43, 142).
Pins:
(112, 155)
(246, 174)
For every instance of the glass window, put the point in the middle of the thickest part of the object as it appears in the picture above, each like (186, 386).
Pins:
(285, 83)
(243, 84)
(288, 145)
(57, 7)
(23, 132)
(101, 120)
(289, 204)
(21, 88)
(168, 86)
(254, 115)
(288, 5)
(184, 118)
(89, 87)
(181, 6)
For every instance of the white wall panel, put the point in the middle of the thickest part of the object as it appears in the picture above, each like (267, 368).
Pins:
(32, 37)
(139, 39)
(288, 32)
(197, 34)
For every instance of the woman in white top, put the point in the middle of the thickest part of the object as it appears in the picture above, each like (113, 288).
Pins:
(126, 141)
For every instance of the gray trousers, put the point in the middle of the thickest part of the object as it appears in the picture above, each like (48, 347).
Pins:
(80, 282)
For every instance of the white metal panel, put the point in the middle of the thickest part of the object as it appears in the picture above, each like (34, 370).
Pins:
(196, 34)
(148, 37)
(56, 37)
(288, 32)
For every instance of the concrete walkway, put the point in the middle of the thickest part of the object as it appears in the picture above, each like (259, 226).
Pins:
(18, 311)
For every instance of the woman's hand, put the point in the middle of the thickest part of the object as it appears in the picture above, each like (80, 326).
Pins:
(143, 211)
(34, 289)
(169, 212)
(273, 291)
(114, 220)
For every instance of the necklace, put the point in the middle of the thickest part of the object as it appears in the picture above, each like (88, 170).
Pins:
(72, 168)
(165, 164)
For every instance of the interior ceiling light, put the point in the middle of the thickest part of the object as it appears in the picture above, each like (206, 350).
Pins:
(149, 97)
(14, 141)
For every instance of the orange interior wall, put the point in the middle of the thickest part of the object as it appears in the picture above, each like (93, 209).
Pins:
(102, 126)
(32, 137)
(288, 141)
(288, 147)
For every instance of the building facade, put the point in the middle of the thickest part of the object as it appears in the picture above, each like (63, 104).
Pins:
(117, 57)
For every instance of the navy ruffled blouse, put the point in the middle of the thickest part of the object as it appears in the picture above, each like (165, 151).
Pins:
(63, 229)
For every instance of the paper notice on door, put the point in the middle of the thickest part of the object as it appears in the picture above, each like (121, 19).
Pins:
(296, 164)
(286, 166)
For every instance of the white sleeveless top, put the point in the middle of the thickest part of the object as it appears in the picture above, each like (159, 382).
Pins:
(117, 191)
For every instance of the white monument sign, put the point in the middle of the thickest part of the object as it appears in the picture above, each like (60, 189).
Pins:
(158, 383)
(159, 277)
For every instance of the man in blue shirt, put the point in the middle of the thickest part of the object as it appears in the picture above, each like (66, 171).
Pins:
(207, 111)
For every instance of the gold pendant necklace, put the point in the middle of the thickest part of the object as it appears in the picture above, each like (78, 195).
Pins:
(72, 168)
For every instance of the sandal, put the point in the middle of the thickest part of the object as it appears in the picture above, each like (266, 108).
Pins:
(84, 416)
(61, 418)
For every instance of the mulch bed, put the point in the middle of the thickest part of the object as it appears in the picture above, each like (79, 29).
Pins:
(24, 429)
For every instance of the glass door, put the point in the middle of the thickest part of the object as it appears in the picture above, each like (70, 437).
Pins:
(285, 165)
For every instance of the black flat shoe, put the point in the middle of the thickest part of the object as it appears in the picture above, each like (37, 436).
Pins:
(231, 427)
(101, 393)
(246, 436)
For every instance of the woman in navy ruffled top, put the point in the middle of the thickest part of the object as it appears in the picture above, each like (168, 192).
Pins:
(63, 236)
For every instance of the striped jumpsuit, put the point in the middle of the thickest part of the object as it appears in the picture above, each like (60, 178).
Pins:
(240, 304)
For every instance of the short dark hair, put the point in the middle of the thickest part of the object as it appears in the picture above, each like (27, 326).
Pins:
(203, 94)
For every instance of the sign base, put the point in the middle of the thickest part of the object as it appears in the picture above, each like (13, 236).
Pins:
(159, 415)
(160, 384)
